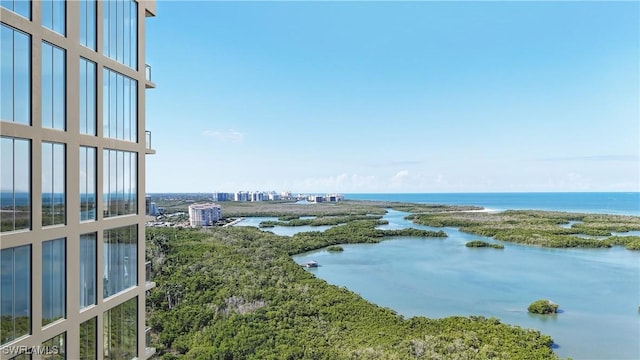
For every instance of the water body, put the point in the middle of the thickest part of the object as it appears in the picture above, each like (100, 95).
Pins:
(282, 230)
(622, 203)
(597, 289)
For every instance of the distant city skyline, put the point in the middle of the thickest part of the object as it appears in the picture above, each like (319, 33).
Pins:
(361, 97)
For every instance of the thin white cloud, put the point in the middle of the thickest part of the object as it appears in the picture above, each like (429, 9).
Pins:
(399, 178)
(228, 135)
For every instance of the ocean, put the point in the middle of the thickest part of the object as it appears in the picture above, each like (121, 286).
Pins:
(620, 203)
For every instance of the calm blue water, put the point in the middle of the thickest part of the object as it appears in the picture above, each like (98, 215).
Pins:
(598, 289)
(623, 203)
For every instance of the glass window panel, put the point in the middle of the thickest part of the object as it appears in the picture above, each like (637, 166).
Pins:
(113, 183)
(53, 87)
(6, 59)
(126, 34)
(119, 107)
(22, 78)
(119, 259)
(7, 195)
(134, 110)
(113, 100)
(120, 181)
(126, 109)
(59, 16)
(47, 85)
(105, 102)
(15, 179)
(87, 183)
(54, 348)
(88, 335)
(134, 183)
(53, 280)
(92, 109)
(59, 88)
(88, 23)
(120, 117)
(83, 22)
(112, 28)
(120, 331)
(54, 15)
(15, 293)
(133, 62)
(92, 24)
(15, 75)
(119, 31)
(83, 96)
(105, 183)
(88, 272)
(53, 184)
(20, 7)
(47, 13)
(87, 97)
(22, 183)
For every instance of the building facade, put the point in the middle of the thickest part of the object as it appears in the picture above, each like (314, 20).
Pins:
(204, 214)
(73, 142)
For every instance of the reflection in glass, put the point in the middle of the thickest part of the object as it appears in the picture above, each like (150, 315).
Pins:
(53, 87)
(15, 179)
(120, 331)
(20, 7)
(15, 293)
(120, 259)
(15, 76)
(88, 272)
(53, 280)
(88, 110)
(88, 24)
(119, 183)
(87, 183)
(53, 184)
(54, 348)
(120, 118)
(88, 334)
(54, 15)
(120, 31)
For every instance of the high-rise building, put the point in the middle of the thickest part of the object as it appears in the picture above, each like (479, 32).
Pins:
(204, 214)
(72, 179)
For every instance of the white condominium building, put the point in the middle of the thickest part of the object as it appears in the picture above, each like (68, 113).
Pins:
(204, 214)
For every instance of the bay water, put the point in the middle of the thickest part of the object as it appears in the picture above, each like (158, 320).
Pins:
(598, 290)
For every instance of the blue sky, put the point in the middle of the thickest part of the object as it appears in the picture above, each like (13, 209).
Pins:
(394, 97)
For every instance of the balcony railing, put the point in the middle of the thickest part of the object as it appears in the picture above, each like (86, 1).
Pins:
(149, 84)
(148, 275)
(147, 142)
(147, 271)
(148, 350)
(147, 337)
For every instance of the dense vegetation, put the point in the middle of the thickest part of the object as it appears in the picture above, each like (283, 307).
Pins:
(541, 228)
(480, 243)
(335, 248)
(235, 293)
(319, 221)
(543, 307)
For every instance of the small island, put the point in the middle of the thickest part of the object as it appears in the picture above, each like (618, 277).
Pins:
(480, 243)
(335, 248)
(543, 307)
